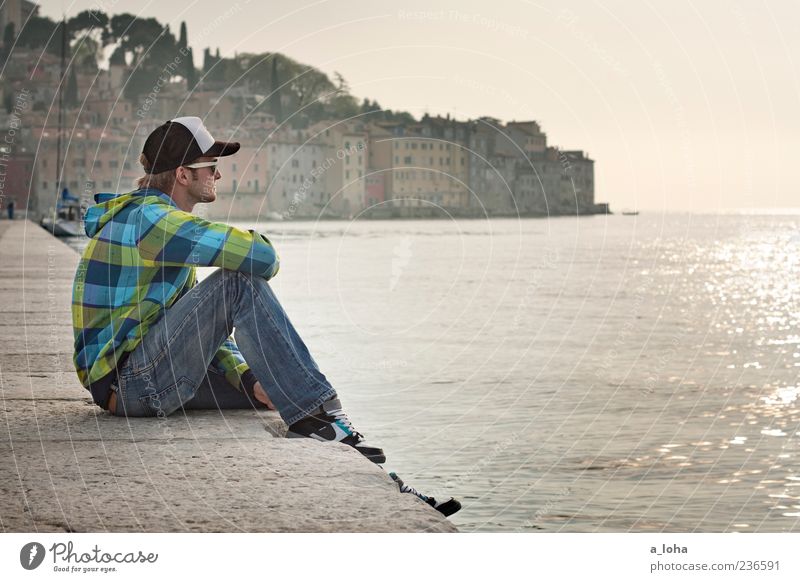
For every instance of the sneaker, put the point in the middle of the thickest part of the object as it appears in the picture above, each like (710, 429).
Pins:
(330, 424)
(447, 508)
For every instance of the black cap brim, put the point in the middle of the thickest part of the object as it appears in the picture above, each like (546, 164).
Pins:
(222, 148)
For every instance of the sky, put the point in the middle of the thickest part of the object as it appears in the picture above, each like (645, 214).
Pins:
(684, 105)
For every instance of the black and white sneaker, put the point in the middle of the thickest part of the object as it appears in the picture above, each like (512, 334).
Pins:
(329, 423)
(447, 508)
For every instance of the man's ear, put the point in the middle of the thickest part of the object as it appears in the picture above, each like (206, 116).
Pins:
(182, 176)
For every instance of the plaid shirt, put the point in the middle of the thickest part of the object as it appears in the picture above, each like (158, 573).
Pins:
(140, 260)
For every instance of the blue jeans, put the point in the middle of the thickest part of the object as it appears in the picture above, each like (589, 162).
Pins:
(169, 369)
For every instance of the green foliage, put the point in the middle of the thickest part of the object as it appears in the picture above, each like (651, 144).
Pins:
(87, 52)
(71, 97)
(41, 33)
(282, 85)
(183, 40)
(341, 105)
(88, 22)
(150, 46)
(8, 41)
(117, 57)
(8, 35)
(190, 73)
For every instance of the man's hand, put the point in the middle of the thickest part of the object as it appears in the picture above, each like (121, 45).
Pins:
(261, 396)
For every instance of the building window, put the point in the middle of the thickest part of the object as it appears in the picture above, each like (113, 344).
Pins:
(234, 167)
(413, 146)
(113, 164)
(407, 160)
(347, 174)
(234, 186)
(295, 163)
(397, 159)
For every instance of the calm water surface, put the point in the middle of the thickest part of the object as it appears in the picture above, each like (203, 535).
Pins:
(595, 374)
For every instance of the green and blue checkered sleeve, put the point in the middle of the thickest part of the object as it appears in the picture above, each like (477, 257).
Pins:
(229, 361)
(169, 236)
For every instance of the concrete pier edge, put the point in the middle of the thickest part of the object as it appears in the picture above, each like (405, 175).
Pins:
(70, 466)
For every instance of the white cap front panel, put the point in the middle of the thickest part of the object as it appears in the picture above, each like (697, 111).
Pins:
(199, 131)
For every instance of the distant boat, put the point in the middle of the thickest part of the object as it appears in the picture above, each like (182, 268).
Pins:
(65, 220)
(630, 212)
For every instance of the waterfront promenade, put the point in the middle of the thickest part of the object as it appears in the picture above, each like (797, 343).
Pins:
(69, 466)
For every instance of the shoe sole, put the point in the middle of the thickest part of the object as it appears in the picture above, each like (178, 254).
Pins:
(449, 507)
(377, 459)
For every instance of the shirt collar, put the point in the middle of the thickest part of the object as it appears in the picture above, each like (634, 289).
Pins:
(156, 192)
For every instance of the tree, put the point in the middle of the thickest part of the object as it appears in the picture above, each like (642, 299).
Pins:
(340, 105)
(87, 53)
(89, 33)
(190, 73)
(340, 82)
(40, 32)
(8, 35)
(8, 41)
(275, 105)
(117, 57)
(91, 22)
(151, 47)
(182, 40)
(309, 85)
(71, 98)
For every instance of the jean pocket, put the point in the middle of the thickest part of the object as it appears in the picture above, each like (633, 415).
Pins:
(165, 402)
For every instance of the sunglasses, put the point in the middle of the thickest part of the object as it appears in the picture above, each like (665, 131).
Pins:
(197, 165)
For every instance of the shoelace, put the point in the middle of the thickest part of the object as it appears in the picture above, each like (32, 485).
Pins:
(408, 489)
(341, 416)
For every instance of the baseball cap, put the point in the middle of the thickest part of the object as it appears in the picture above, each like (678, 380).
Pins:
(181, 141)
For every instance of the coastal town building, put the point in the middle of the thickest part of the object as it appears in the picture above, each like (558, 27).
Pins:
(287, 167)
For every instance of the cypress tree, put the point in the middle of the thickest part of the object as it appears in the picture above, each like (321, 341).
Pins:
(275, 105)
(182, 41)
(71, 93)
(191, 74)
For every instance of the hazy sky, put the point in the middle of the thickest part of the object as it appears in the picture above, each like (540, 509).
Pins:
(683, 105)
